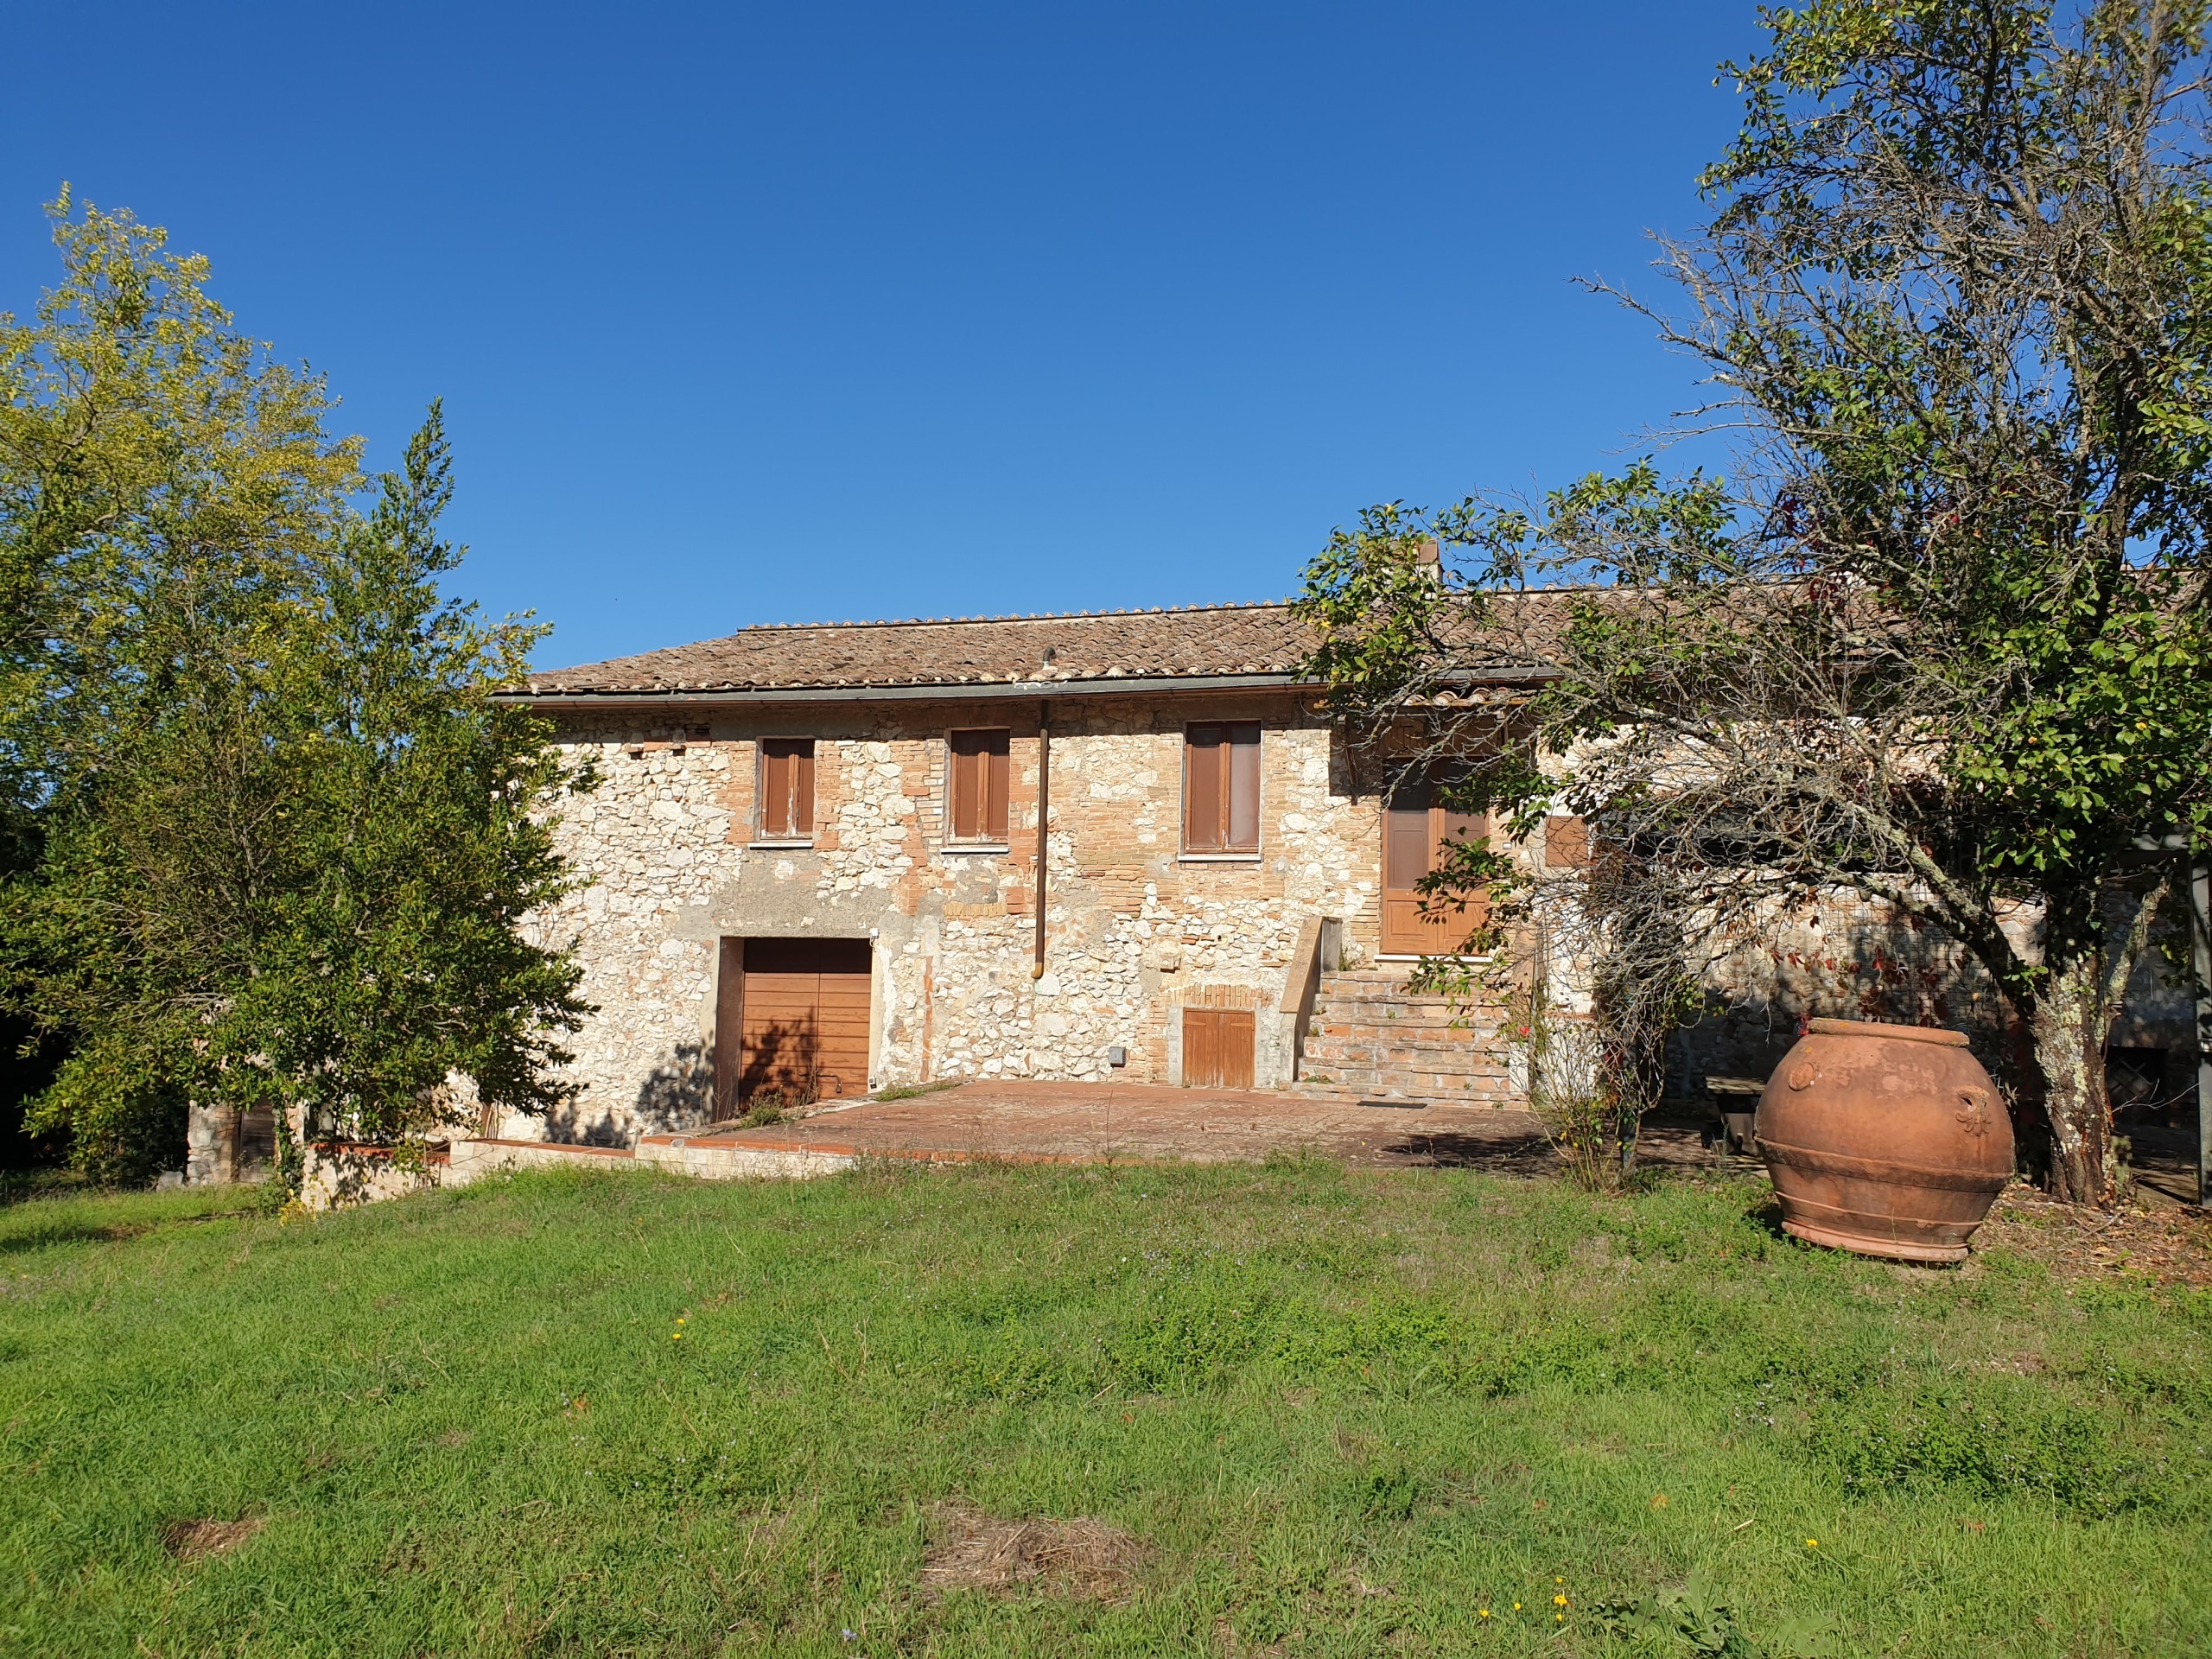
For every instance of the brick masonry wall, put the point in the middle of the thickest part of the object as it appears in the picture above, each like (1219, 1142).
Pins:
(1134, 929)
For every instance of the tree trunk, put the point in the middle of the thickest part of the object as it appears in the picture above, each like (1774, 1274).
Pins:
(292, 1127)
(2069, 1023)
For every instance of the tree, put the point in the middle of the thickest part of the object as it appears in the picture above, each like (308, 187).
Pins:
(1943, 639)
(272, 837)
(394, 953)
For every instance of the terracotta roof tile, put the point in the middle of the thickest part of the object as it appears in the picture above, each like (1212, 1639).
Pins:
(1200, 641)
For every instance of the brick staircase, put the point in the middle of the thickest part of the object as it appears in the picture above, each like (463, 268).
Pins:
(1371, 1038)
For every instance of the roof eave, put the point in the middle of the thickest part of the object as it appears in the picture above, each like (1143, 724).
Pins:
(947, 691)
(957, 691)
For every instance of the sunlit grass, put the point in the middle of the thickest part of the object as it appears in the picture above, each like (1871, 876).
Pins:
(1341, 1414)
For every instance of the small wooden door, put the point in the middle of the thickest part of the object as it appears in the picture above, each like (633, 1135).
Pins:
(1218, 1045)
(799, 1018)
(1416, 826)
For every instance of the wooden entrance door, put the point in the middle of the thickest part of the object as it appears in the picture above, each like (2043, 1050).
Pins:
(799, 1018)
(1218, 1045)
(1416, 826)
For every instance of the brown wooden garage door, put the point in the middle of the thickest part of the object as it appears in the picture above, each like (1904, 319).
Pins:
(1217, 1048)
(801, 1017)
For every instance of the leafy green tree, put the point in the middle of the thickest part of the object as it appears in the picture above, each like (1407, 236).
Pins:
(272, 841)
(397, 949)
(1943, 639)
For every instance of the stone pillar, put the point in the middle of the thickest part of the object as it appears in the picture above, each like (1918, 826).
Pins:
(209, 1145)
(222, 1145)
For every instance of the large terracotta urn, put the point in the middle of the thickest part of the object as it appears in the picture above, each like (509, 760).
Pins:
(1887, 1139)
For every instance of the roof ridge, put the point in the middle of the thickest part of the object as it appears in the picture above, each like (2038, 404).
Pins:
(1009, 616)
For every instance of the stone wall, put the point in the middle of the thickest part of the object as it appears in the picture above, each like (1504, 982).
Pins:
(222, 1145)
(1134, 929)
(1848, 957)
(335, 1177)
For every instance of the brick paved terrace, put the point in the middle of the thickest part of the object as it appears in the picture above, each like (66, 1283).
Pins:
(1078, 1123)
(1099, 1124)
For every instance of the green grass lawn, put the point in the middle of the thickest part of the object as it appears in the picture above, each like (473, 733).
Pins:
(1338, 1412)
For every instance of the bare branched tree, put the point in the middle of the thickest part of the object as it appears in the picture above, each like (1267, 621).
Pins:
(1943, 641)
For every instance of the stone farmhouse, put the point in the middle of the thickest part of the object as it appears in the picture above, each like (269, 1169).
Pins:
(824, 859)
(828, 858)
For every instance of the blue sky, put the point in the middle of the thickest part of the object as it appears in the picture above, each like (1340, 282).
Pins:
(831, 311)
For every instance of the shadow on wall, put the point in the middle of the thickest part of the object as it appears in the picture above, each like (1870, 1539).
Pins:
(1909, 973)
(1904, 973)
(339, 1174)
(678, 1094)
(782, 1057)
(1347, 779)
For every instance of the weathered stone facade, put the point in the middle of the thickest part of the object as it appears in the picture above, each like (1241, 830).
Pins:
(1847, 956)
(1136, 929)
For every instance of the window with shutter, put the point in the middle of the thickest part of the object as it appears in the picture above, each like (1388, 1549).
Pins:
(1221, 787)
(786, 789)
(976, 769)
(1416, 825)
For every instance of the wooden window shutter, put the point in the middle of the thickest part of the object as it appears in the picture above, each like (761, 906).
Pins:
(1202, 817)
(1221, 787)
(964, 785)
(998, 755)
(979, 768)
(786, 787)
(1243, 818)
(1567, 843)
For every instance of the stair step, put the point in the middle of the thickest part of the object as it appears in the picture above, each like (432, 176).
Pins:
(1373, 993)
(1412, 1031)
(1452, 1066)
(1412, 1053)
(1351, 1095)
(1377, 1031)
(1407, 1042)
(1410, 1085)
(1403, 1008)
(1401, 1020)
(1405, 1080)
(1371, 1037)
(1381, 994)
